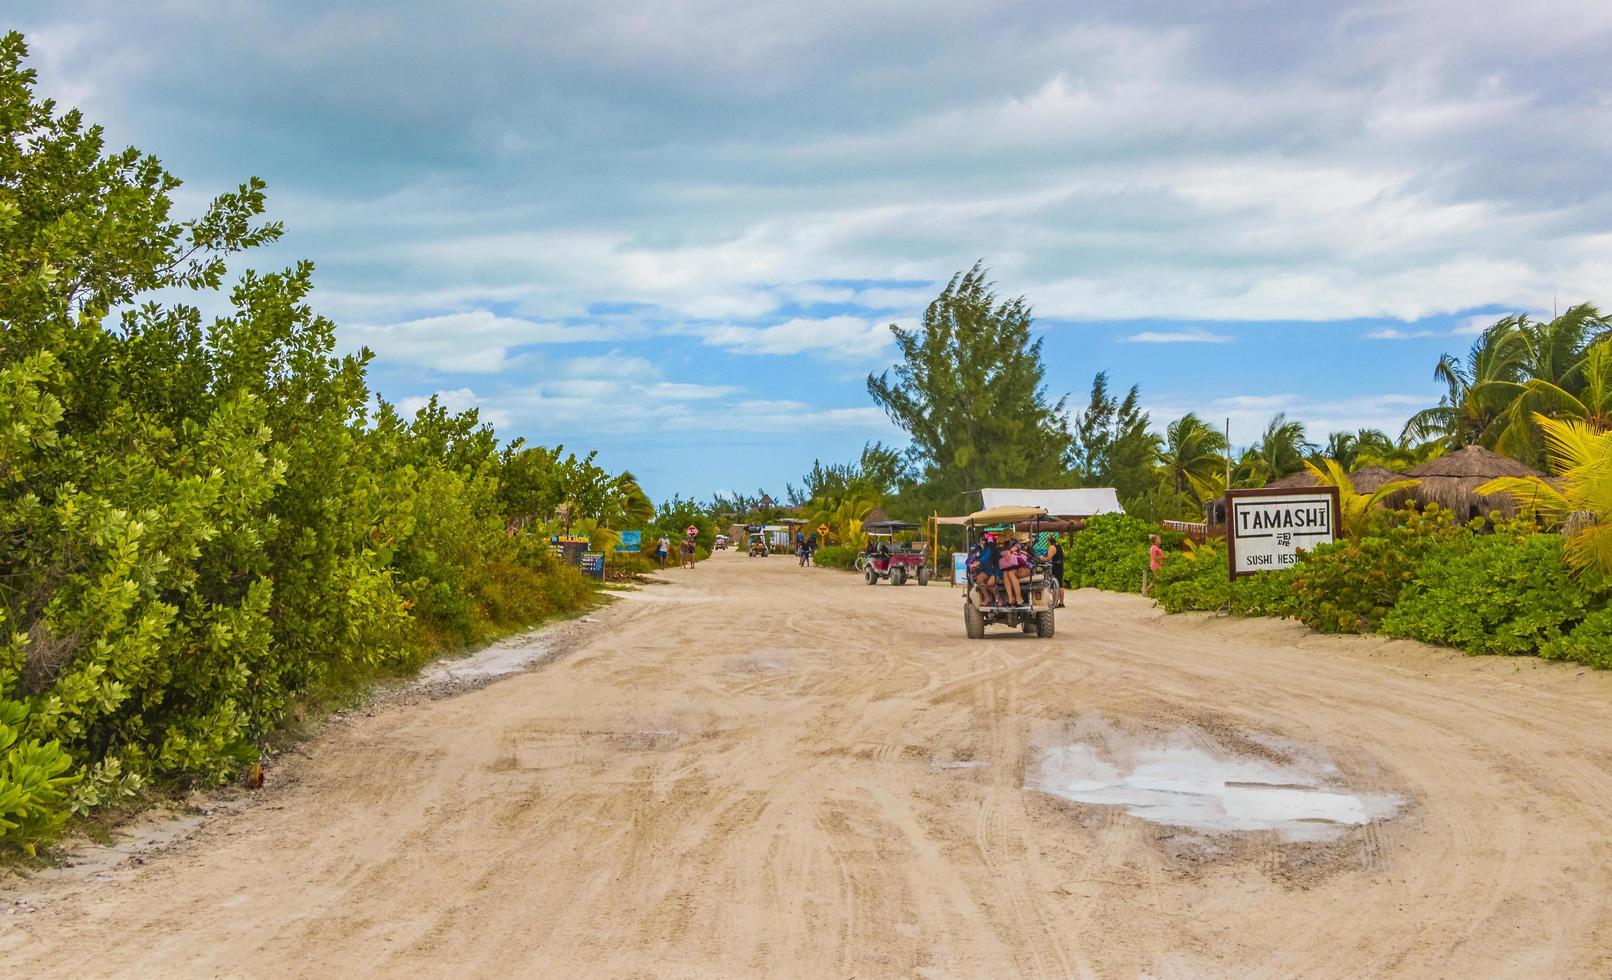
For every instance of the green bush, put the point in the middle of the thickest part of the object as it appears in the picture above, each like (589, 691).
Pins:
(34, 783)
(1590, 642)
(1196, 579)
(1504, 593)
(842, 557)
(1266, 594)
(1349, 586)
(1109, 553)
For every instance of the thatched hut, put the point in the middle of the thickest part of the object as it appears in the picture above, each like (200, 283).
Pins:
(1302, 480)
(1452, 480)
(1365, 480)
(876, 516)
(1368, 478)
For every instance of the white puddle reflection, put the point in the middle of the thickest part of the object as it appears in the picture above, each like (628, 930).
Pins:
(1185, 786)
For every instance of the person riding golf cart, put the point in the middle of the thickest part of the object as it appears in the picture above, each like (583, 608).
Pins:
(887, 558)
(758, 542)
(1026, 600)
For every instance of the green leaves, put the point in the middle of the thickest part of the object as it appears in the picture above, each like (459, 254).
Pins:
(969, 391)
(1110, 553)
(198, 525)
(1500, 593)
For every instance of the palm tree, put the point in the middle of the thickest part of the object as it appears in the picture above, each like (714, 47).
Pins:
(843, 514)
(1585, 393)
(630, 505)
(1518, 368)
(1356, 506)
(1475, 389)
(1194, 457)
(1398, 456)
(1581, 457)
(1346, 447)
(1281, 450)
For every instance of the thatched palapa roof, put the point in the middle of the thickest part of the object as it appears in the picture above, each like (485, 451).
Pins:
(1451, 481)
(1296, 481)
(1368, 478)
(1364, 480)
(876, 516)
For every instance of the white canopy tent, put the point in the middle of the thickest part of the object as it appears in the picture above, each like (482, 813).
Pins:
(1082, 502)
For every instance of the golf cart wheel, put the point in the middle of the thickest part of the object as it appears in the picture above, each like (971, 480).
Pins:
(871, 575)
(1028, 626)
(923, 575)
(1043, 624)
(898, 575)
(973, 621)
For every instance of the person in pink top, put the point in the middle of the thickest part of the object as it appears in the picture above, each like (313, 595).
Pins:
(1155, 561)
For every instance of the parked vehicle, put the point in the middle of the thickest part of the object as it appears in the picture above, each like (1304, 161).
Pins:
(885, 558)
(1034, 614)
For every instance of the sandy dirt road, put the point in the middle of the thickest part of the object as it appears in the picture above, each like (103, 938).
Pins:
(757, 770)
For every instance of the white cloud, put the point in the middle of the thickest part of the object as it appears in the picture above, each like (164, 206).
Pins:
(612, 365)
(1392, 333)
(457, 400)
(477, 342)
(841, 337)
(1176, 337)
(1249, 413)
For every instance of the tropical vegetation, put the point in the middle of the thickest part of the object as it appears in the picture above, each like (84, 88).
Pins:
(210, 524)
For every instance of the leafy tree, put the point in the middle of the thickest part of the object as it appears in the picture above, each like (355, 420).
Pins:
(1468, 406)
(1193, 457)
(844, 515)
(200, 523)
(1280, 451)
(969, 391)
(1397, 456)
(1346, 447)
(1518, 368)
(1111, 444)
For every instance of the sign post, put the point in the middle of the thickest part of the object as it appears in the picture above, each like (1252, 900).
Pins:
(959, 568)
(1267, 528)
(822, 531)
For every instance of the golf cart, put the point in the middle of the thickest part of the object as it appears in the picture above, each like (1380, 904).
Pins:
(887, 558)
(758, 541)
(1035, 614)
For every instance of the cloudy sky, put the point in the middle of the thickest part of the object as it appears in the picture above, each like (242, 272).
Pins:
(677, 231)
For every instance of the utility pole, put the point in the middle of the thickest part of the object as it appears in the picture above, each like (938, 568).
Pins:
(1228, 453)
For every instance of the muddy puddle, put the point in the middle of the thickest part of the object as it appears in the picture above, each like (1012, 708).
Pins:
(1180, 782)
(497, 660)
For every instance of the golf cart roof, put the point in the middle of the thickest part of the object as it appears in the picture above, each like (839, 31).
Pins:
(1006, 515)
(889, 527)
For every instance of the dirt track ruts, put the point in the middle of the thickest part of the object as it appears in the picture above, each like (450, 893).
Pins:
(757, 770)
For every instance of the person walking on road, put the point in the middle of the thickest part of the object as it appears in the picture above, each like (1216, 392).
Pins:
(688, 550)
(1155, 562)
(663, 549)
